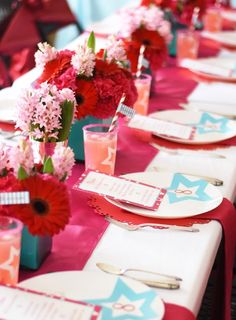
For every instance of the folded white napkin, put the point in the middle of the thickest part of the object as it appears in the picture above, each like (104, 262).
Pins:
(225, 110)
(223, 67)
(224, 37)
(8, 97)
(224, 169)
(224, 53)
(217, 93)
(229, 15)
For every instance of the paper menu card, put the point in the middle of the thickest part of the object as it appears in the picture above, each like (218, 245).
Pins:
(162, 127)
(219, 66)
(19, 303)
(121, 189)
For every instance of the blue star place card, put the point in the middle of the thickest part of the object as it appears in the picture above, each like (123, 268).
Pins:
(19, 303)
(121, 189)
(162, 127)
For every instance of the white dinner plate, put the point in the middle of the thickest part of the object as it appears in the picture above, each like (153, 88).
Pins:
(120, 297)
(186, 196)
(210, 127)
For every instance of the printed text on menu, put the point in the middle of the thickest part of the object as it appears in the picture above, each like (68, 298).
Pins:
(21, 304)
(121, 189)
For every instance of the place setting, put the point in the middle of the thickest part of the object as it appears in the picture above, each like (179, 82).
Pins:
(186, 126)
(214, 69)
(207, 97)
(88, 295)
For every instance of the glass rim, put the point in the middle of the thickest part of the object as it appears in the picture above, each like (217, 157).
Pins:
(17, 226)
(102, 125)
(143, 76)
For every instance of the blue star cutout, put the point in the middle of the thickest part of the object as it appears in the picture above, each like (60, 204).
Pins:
(177, 184)
(208, 124)
(121, 290)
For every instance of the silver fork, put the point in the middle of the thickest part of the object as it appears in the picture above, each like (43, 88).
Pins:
(134, 227)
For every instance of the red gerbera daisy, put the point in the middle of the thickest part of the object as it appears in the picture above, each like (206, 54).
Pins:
(86, 98)
(49, 209)
(161, 3)
(56, 67)
(149, 38)
(102, 67)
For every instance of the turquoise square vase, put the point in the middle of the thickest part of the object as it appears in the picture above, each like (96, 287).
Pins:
(34, 249)
(76, 140)
(175, 26)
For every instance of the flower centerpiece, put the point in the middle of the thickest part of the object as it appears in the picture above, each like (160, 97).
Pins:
(98, 80)
(48, 210)
(182, 9)
(46, 114)
(181, 14)
(145, 26)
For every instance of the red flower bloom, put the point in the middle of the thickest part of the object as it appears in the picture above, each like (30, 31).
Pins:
(49, 209)
(160, 3)
(56, 67)
(98, 95)
(155, 52)
(149, 38)
(7, 184)
(103, 68)
(111, 81)
(86, 98)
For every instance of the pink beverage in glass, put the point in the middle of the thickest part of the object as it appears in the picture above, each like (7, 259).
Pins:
(187, 45)
(10, 245)
(143, 85)
(213, 20)
(100, 147)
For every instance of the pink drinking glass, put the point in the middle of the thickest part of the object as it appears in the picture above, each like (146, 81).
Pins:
(187, 45)
(143, 85)
(100, 147)
(213, 20)
(10, 245)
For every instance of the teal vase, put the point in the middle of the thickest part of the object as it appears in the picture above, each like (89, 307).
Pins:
(175, 26)
(76, 140)
(34, 249)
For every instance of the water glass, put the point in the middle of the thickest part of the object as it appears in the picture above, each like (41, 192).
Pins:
(213, 20)
(100, 146)
(143, 85)
(187, 44)
(10, 246)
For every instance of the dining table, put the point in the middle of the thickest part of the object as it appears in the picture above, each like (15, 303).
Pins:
(89, 238)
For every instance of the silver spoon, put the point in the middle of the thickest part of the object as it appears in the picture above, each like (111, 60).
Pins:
(171, 282)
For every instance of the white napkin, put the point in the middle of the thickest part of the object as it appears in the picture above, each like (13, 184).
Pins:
(216, 93)
(224, 37)
(224, 67)
(225, 53)
(8, 97)
(229, 15)
(224, 169)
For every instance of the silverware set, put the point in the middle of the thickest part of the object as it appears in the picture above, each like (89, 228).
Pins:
(214, 181)
(157, 280)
